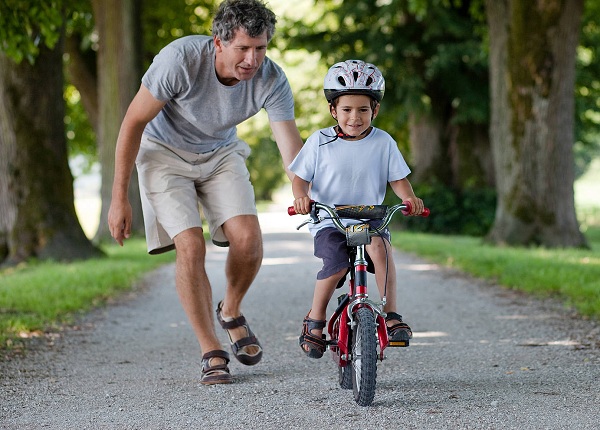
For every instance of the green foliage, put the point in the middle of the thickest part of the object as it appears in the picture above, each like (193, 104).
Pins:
(165, 21)
(81, 139)
(24, 25)
(264, 164)
(571, 275)
(587, 96)
(428, 50)
(467, 212)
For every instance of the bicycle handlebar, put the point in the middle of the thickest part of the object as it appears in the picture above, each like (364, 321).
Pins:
(404, 207)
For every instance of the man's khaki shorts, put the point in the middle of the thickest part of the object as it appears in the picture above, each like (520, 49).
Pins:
(175, 185)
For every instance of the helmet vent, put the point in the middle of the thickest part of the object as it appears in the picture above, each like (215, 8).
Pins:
(341, 80)
(369, 81)
(355, 75)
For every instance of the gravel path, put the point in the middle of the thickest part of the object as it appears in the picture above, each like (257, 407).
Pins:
(482, 358)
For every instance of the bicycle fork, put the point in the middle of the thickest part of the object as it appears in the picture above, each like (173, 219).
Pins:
(358, 297)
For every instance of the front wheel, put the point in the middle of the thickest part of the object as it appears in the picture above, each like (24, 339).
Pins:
(345, 377)
(364, 357)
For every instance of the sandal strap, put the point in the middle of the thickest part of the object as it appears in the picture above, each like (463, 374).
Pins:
(314, 324)
(217, 353)
(234, 323)
(218, 373)
(237, 346)
(245, 341)
(307, 336)
(393, 316)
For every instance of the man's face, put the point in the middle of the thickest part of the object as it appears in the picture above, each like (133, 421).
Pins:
(240, 58)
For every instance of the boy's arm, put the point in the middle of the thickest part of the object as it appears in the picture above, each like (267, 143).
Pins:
(300, 188)
(403, 189)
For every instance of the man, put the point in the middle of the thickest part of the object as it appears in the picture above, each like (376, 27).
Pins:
(180, 132)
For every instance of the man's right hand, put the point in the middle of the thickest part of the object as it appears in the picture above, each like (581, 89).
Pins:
(119, 220)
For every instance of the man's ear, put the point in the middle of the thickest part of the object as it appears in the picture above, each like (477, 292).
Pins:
(218, 43)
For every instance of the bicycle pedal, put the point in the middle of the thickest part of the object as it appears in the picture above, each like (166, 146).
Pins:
(399, 343)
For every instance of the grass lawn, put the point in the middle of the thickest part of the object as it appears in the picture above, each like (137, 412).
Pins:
(570, 275)
(37, 297)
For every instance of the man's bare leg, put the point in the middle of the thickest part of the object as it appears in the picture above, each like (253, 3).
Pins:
(193, 287)
(243, 262)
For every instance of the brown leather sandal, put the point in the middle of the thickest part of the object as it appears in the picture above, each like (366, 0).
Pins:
(316, 345)
(400, 333)
(237, 347)
(217, 374)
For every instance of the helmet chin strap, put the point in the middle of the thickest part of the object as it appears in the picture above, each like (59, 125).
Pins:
(340, 133)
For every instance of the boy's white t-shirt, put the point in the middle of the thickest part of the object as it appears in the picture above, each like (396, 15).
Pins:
(201, 113)
(347, 172)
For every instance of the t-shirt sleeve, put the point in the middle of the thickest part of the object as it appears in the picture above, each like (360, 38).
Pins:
(397, 167)
(166, 77)
(305, 162)
(280, 103)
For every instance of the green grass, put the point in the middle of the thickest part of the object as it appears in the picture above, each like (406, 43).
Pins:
(41, 296)
(573, 276)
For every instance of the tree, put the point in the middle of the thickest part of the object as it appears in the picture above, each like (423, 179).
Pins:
(37, 212)
(430, 52)
(532, 75)
(119, 73)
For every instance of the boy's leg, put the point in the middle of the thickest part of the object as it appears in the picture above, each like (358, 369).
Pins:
(399, 332)
(324, 289)
(311, 339)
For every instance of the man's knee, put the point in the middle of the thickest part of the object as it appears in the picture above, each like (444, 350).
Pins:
(243, 232)
(190, 244)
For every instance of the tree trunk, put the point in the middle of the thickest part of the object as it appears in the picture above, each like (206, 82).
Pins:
(457, 156)
(119, 73)
(532, 77)
(37, 213)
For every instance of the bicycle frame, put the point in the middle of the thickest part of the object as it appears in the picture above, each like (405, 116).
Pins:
(343, 317)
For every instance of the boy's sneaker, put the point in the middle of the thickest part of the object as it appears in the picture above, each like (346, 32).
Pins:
(399, 333)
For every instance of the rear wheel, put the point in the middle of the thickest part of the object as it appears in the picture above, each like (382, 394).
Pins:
(364, 357)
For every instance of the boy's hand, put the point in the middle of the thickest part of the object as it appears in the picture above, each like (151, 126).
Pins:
(302, 205)
(416, 204)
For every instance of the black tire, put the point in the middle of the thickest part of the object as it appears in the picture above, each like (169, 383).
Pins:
(345, 377)
(364, 357)
(344, 372)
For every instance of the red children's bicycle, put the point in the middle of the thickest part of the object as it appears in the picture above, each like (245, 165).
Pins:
(357, 330)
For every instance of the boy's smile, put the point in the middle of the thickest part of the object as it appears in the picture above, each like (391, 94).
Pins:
(354, 114)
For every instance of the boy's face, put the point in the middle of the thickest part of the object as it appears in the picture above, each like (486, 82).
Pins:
(240, 58)
(354, 114)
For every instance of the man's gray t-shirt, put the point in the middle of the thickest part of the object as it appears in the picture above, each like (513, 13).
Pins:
(201, 113)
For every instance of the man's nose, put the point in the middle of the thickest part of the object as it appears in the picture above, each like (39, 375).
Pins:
(251, 57)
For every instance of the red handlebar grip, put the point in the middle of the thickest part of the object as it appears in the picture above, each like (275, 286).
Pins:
(291, 211)
(408, 210)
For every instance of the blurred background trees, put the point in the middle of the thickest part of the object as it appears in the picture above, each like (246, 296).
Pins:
(435, 56)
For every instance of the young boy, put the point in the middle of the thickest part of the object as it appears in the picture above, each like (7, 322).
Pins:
(350, 163)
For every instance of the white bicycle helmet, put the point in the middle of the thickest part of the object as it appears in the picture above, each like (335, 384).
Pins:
(354, 77)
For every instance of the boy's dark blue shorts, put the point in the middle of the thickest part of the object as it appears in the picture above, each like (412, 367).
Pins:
(330, 246)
